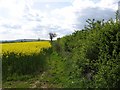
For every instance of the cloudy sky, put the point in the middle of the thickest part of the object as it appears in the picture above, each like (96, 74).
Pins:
(21, 19)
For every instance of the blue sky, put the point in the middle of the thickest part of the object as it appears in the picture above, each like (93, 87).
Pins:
(27, 19)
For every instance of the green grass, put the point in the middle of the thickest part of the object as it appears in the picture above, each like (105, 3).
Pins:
(16, 84)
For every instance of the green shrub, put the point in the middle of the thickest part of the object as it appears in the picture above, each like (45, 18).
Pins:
(91, 57)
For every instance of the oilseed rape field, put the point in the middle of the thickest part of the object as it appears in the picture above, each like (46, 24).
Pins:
(23, 58)
(25, 48)
(0, 50)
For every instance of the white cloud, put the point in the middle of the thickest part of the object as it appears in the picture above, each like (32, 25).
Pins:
(54, 0)
(21, 19)
(111, 4)
(103, 4)
(14, 8)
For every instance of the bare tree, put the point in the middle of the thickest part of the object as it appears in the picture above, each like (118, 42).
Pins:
(52, 35)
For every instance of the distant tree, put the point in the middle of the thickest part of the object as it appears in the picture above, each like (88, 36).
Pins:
(38, 39)
(52, 35)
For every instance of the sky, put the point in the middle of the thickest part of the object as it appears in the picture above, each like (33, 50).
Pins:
(33, 19)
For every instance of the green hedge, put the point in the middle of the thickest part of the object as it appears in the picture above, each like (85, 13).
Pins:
(91, 56)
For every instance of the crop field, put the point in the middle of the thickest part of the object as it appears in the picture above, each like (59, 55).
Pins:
(24, 48)
(23, 58)
(0, 49)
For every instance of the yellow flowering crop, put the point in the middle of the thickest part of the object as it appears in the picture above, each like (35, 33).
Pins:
(0, 50)
(25, 48)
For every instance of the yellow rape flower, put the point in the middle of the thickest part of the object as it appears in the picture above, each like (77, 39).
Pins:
(26, 48)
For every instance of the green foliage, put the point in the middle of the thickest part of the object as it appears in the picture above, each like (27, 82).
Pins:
(91, 57)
